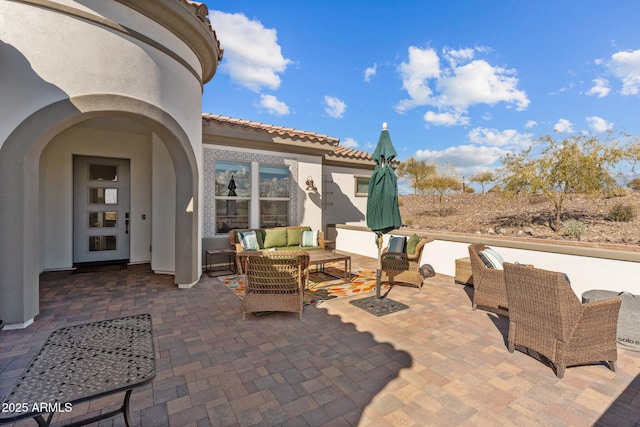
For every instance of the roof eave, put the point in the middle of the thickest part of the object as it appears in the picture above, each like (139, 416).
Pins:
(189, 22)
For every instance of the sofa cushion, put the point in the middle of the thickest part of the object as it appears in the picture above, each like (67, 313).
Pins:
(249, 241)
(412, 243)
(495, 254)
(293, 235)
(490, 260)
(397, 244)
(275, 237)
(309, 238)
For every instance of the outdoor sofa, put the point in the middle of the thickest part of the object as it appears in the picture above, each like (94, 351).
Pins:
(288, 238)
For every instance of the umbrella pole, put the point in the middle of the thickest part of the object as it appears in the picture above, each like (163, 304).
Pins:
(379, 269)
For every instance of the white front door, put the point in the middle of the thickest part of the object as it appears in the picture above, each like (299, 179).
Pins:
(100, 209)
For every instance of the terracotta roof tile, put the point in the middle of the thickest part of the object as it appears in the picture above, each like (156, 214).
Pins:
(350, 153)
(201, 11)
(270, 129)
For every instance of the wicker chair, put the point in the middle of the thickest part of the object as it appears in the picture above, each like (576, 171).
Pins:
(275, 281)
(545, 315)
(488, 283)
(403, 269)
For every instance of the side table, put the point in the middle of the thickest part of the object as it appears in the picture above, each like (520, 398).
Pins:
(210, 253)
(331, 243)
(463, 272)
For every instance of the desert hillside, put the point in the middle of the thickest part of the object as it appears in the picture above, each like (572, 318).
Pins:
(528, 216)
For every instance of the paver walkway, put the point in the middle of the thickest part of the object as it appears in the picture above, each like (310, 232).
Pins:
(437, 363)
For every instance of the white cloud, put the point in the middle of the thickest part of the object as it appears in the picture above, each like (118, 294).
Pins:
(252, 56)
(478, 82)
(487, 147)
(600, 88)
(508, 138)
(349, 142)
(273, 105)
(598, 124)
(454, 88)
(563, 126)
(370, 72)
(530, 124)
(455, 57)
(423, 64)
(334, 107)
(626, 66)
(446, 119)
(466, 159)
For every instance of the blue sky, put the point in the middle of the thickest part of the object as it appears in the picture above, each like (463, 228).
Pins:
(459, 83)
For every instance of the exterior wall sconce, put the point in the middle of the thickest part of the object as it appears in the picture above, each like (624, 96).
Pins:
(310, 186)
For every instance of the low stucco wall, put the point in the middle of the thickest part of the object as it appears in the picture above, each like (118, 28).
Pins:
(615, 269)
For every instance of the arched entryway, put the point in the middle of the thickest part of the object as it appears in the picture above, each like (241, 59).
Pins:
(20, 196)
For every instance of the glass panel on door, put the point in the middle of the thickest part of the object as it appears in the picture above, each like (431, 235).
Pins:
(103, 196)
(102, 243)
(103, 173)
(103, 219)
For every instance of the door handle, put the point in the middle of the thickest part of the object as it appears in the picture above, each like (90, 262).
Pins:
(126, 222)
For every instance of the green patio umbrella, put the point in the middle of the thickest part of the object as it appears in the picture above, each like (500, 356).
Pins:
(383, 213)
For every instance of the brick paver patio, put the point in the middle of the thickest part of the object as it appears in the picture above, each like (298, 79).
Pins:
(437, 363)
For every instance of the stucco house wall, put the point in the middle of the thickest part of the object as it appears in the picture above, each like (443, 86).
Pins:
(343, 204)
(150, 67)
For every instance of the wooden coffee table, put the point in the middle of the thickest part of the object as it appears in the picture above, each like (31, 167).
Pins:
(320, 257)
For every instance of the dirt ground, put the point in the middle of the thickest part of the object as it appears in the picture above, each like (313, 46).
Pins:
(527, 216)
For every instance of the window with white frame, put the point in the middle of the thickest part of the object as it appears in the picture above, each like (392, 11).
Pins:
(274, 195)
(239, 204)
(361, 186)
(232, 195)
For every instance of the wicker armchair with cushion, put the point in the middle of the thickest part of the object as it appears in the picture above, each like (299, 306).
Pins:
(488, 283)
(545, 315)
(401, 266)
(274, 281)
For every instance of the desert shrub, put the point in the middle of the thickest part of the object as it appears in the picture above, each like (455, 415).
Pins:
(573, 228)
(469, 190)
(445, 211)
(621, 213)
(408, 222)
(634, 184)
(616, 192)
(495, 189)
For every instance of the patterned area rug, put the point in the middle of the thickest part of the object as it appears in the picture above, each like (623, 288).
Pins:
(322, 285)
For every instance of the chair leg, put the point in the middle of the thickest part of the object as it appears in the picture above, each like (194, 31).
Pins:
(613, 365)
(474, 306)
(560, 371)
(511, 346)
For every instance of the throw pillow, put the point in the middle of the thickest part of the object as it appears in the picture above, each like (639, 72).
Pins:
(397, 244)
(275, 237)
(293, 236)
(249, 241)
(489, 260)
(412, 243)
(309, 238)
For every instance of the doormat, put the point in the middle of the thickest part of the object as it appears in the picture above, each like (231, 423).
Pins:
(379, 306)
